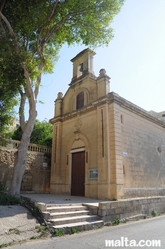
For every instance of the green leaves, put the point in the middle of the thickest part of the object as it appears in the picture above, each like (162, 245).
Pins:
(41, 27)
(41, 134)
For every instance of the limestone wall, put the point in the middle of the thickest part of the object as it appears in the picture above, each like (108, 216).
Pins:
(143, 154)
(140, 192)
(37, 174)
(108, 211)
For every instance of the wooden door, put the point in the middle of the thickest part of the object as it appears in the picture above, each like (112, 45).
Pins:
(78, 174)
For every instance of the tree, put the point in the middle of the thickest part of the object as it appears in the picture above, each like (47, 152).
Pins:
(8, 88)
(34, 33)
(41, 134)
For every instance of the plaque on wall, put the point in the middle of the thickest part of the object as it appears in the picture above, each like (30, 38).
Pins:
(93, 174)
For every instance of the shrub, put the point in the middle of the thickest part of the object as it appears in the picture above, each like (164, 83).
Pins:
(116, 221)
(7, 199)
(154, 213)
(2, 187)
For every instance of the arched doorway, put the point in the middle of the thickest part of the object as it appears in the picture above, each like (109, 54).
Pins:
(27, 182)
(78, 151)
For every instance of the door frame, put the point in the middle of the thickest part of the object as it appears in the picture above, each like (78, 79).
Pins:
(71, 152)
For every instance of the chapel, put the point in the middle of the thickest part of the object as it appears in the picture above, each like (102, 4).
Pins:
(103, 145)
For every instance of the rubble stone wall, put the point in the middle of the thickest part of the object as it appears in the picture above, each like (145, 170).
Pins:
(37, 173)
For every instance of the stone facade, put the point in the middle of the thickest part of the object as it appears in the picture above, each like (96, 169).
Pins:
(37, 174)
(122, 145)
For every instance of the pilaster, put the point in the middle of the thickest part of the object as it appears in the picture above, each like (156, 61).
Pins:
(103, 152)
(56, 158)
(116, 168)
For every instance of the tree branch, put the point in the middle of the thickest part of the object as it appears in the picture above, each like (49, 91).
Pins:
(10, 31)
(53, 9)
(2, 5)
(42, 28)
(28, 89)
(21, 110)
(68, 17)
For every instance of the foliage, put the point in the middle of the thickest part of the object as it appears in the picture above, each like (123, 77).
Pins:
(7, 103)
(42, 230)
(125, 220)
(5, 245)
(154, 213)
(73, 230)
(58, 232)
(39, 228)
(2, 187)
(41, 134)
(116, 221)
(17, 231)
(6, 199)
(11, 75)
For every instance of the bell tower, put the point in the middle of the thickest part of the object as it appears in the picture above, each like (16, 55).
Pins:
(83, 64)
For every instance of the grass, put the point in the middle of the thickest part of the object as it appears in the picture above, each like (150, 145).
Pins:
(154, 213)
(17, 232)
(58, 232)
(125, 220)
(42, 230)
(116, 221)
(5, 245)
(39, 228)
(73, 230)
(34, 237)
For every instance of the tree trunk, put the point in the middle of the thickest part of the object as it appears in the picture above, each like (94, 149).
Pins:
(20, 157)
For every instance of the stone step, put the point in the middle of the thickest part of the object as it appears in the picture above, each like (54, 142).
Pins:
(67, 220)
(64, 205)
(80, 226)
(68, 214)
(65, 208)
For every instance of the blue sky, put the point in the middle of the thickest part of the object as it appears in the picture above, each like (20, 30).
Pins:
(134, 59)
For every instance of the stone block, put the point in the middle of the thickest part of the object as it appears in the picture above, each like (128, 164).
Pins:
(41, 206)
(119, 210)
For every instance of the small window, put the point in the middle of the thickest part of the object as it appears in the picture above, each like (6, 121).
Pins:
(123, 169)
(80, 100)
(80, 70)
(122, 119)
